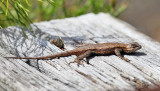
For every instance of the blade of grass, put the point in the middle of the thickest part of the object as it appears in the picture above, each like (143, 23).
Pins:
(6, 9)
(121, 9)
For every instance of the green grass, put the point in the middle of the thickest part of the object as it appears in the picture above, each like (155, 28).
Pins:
(21, 12)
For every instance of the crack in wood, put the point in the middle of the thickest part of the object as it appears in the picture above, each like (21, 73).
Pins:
(86, 76)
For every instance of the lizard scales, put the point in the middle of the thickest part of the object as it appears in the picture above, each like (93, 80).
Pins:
(87, 50)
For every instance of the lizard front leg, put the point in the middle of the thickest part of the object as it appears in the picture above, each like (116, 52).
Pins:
(118, 53)
(79, 59)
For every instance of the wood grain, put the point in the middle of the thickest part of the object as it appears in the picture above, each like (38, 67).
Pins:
(104, 73)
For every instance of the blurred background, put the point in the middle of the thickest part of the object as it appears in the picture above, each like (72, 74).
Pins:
(142, 14)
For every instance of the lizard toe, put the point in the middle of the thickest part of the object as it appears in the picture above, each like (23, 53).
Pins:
(79, 62)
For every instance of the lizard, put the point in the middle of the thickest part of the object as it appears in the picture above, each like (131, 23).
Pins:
(87, 50)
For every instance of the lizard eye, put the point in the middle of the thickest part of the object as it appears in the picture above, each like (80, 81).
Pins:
(133, 46)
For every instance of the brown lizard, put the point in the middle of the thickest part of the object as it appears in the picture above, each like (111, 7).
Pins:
(87, 50)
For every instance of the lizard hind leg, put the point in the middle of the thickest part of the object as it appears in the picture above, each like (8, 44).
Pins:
(79, 59)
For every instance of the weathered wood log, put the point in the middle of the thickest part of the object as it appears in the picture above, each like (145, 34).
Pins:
(103, 73)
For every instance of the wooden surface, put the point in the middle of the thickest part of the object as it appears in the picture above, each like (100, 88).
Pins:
(104, 73)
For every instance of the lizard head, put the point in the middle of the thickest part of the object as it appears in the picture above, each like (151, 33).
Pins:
(132, 47)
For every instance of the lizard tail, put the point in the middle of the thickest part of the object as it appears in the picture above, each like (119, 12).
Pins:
(63, 54)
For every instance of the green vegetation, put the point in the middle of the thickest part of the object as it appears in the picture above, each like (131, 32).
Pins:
(21, 12)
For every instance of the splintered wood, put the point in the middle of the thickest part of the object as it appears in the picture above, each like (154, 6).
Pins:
(103, 73)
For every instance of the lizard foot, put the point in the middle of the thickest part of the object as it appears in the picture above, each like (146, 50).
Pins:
(126, 59)
(79, 62)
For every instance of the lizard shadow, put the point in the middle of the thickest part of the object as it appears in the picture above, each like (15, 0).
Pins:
(136, 54)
